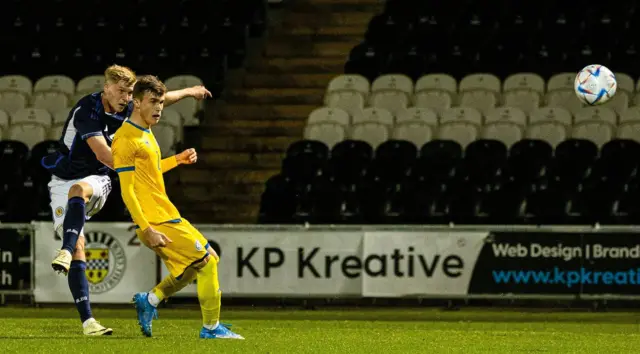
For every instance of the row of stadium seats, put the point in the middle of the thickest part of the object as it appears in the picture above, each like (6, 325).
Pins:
(526, 91)
(31, 126)
(477, 37)
(464, 133)
(56, 93)
(201, 38)
(531, 182)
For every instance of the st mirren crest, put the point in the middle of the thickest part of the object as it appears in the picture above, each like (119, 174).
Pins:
(106, 261)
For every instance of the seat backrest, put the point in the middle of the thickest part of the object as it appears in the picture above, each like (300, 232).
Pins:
(602, 114)
(555, 114)
(625, 83)
(426, 115)
(166, 137)
(182, 81)
(374, 114)
(60, 116)
(172, 117)
(506, 114)
(56, 83)
(550, 131)
(439, 101)
(50, 101)
(90, 84)
(373, 133)
(437, 82)
(480, 81)
(28, 133)
(416, 131)
(504, 131)
(462, 132)
(524, 81)
(350, 82)
(562, 81)
(329, 114)
(11, 102)
(632, 114)
(393, 82)
(461, 114)
(350, 101)
(33, 116)
(329, 133)
(4, 121)
(16, 83)
(629, 130)
(598, 131)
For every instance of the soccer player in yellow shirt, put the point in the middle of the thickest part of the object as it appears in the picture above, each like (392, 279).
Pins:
(182, 248)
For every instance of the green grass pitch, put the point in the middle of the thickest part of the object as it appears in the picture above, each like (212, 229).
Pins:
(57, 330)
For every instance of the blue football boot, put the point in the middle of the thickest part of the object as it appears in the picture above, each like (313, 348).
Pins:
(146, 312)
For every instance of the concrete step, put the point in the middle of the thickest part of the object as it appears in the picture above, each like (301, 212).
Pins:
(305, 64)
(252, 144)
(325, 17)
(305, 47)
(240, 160)
(288, 81)
(329, 32)
(254, 127)
(203, 193)
(262, 112)
(229, 177)
(278, 95)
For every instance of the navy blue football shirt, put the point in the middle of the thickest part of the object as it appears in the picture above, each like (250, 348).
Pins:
(74, 158)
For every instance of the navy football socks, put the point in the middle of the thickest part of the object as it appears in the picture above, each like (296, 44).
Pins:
(80, 289)
(73, 223)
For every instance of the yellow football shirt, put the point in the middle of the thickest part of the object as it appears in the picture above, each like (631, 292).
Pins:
(137, 160)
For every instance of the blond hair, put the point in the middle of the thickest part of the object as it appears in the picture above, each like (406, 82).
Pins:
(116, 73)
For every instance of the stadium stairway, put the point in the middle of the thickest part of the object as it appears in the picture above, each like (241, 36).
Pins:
(245, 144)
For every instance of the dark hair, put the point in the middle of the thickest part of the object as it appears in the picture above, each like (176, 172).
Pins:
(148, 83)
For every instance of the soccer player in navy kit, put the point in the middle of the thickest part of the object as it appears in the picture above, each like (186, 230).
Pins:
(80, 183)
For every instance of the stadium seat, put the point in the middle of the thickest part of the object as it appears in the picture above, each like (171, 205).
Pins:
(329, 133)
(328, 114)
(415, 131)
(350, 160)
(416, 114)
(394, 160)
(373, 133)
(435, 91)
(374, 114)
(506, 114)
(305, 160)
(528, 160)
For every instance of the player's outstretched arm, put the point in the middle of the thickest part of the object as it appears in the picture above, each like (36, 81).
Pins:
(197, 92)
(98, 145)
(186, 157)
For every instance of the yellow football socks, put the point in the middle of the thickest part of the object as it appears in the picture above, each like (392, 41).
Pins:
(209, 294)
(170, 285)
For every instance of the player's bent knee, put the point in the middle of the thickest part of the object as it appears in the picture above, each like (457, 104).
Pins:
(81, 189)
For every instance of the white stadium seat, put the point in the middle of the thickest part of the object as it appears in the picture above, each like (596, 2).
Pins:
(425, 115)
(328, 114)
(629, 130)
(28, 133)
(415, 131)
(550, 131)
(602, 114)
(599, 132)
(524, 82)
(506, 114)
(555, 114)
(32, 116)
(350, 101)
(630, 115)
(50, 101)
(373, 133)
(461, 114)
(350, 83)
(507, 132)
(329, 133)
(16, 83)
(374, 114)
(435, 91)
(391, 92)
(459, 131)
(12, 102)
(56, 83)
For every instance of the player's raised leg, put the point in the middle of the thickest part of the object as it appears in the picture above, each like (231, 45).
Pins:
(74, 219)
(76, 259)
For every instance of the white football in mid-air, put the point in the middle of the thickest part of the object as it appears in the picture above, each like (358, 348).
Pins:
(595, 85)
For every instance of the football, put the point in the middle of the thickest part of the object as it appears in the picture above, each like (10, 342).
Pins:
(595, 85)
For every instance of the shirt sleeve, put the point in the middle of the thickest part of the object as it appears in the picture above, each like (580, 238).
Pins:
(86, 122)
(168, 163)
(124, 157)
